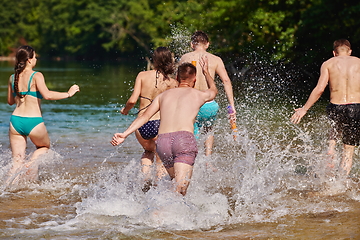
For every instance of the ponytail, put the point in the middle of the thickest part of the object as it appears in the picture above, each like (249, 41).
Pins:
(23, 54)
(163, 61)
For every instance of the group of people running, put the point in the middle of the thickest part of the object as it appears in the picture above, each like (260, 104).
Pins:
(184, 105)
(27, 87)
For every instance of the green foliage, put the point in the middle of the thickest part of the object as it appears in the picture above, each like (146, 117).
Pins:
(286, 30)
(322, 23)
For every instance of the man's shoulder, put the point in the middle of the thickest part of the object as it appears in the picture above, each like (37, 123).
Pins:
(181, 91)
(214, 58)
(211, 55)
(329, 61)
(334, 60)
(186, 56)
(355, 58)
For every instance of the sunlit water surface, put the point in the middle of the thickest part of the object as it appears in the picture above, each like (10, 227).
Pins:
(269, 183)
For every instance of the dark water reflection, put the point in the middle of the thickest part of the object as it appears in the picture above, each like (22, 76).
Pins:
(101, 83)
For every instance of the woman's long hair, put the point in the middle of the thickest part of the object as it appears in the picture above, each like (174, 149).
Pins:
(23, 54)
(164, 61)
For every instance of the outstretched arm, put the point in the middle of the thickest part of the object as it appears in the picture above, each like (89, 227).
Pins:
(53, 95)
(118, 138)
(314, 96)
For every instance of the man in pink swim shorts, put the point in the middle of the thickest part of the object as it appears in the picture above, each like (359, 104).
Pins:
(176, 144)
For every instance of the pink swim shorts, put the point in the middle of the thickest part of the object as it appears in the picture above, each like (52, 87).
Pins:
(176, 147)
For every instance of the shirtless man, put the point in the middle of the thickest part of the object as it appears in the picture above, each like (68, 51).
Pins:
(207, 114)
(342, 72)
(176, 143)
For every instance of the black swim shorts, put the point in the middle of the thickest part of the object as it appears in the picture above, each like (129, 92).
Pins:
(346, 120)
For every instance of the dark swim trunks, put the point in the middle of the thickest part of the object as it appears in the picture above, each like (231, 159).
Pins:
(176, 147)
(150, 129)
(346, 120)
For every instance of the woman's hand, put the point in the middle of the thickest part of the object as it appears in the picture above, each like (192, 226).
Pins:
(73, 89)
(117, 139)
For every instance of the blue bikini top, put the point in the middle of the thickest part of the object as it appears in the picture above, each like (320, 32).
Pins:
(36, 94)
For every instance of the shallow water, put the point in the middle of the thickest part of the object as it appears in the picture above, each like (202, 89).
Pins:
(268, 184)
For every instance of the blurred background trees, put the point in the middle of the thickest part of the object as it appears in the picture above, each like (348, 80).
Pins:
(297, 31)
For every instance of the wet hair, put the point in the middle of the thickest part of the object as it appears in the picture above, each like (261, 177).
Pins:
(185, 71)
(341, 44)
(199, 37)
(23, 54)
(163, 61)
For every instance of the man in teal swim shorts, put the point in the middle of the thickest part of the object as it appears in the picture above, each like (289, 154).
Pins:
(207, 114)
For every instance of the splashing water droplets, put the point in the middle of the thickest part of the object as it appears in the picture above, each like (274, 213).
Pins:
(180, 41)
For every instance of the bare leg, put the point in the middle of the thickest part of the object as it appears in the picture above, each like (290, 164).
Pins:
(18, 147)
(39, 136)
(160, 169)
(330, 164)
(22, 170)
(171, 172)
(147, 157)
(347, 159)
(183, 173)
(209, 142)
(147, 160)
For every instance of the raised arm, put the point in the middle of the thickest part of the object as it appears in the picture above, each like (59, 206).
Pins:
(53, 95)
(134, 96)
(314, 96)
(212, 91)
(221, 71)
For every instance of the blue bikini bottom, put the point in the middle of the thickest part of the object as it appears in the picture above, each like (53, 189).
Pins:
(150, 129)
(24, 125)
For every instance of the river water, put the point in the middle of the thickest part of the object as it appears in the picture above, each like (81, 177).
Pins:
(268, 183)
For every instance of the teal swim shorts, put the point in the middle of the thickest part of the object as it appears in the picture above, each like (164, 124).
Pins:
(206, 116)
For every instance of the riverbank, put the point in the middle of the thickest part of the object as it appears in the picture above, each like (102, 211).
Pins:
(9, 58)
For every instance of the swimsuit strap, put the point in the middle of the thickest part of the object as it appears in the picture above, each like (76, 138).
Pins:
(146, 98)
(147, 105)
(156, 77)
(29, 84)
(157, 74)
(30, 81)
(12, 82)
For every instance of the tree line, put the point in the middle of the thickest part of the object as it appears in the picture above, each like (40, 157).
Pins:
(299, 31)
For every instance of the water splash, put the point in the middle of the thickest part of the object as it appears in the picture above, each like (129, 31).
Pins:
(272, 171)
(179, 41)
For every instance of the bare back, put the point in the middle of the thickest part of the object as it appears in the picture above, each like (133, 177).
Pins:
(215, 63)
(179, 107)
(344, 79)
(28, 106)
(152, 84)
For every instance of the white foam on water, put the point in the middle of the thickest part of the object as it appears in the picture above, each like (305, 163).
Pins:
(244, 184)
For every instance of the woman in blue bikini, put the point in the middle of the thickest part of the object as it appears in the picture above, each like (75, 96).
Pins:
(148, 85)
(26, 88)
